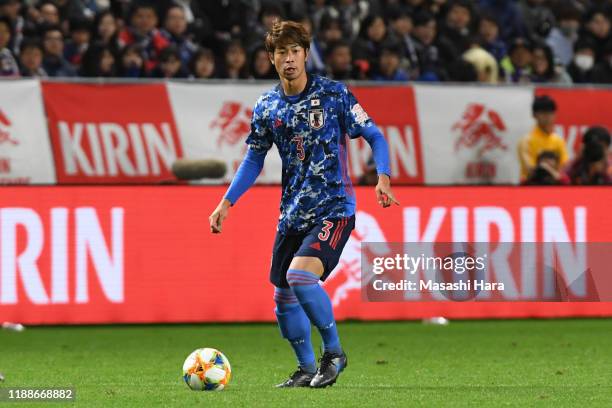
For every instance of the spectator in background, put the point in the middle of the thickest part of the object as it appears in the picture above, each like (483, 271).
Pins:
(315, 64)
(261, 67)
(49, 14)
(462, 71)
(592, 166)
(175, 31)
(547, 171)
(352, 14)
(507, 15)
(401, 25)
(54, 63)
(227, 19)
(484, 63)
(329, 32)
(132, 62)
(565, 34)
(581, 67)
(368, 44)
(434, 55)
(517, 65)
(537, 19)
(80, 37)
(234, 62)
(170, 64)
(198, 24)
(389, 64)
(542, 137)
(602, 72)
(339, 61)
(268, 14)
(597, 25)
(489, 37)
(203, 64)
(457, 27)
(11, 9)
(593, 135)
(72, 9)
(142, 31)
(544, 69)
(30, 58)
(106, 31)
(99, 61)
(8, 65)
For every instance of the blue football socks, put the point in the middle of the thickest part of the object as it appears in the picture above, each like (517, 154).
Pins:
(315, 302)
(295, 327)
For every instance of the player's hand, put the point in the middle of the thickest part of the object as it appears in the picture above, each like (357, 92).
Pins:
(384, 195)
(218, 216)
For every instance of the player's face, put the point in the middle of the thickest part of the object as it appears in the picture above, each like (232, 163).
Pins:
(290, 61)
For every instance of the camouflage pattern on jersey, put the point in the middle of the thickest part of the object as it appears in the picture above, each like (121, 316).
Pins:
(310, 134)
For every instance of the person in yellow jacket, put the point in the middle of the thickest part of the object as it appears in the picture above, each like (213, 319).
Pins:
(542, 137)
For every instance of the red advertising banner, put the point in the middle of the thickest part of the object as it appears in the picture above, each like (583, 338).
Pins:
(394, 112)
(145, 254)
(579, 109)
(111, 134)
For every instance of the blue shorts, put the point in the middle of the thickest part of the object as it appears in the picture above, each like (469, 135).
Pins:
(325, 241)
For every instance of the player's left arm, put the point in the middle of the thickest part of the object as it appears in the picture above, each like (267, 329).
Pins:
(380, 151)
(358, 123)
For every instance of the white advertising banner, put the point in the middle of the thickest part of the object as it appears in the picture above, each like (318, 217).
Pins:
(214, 121)
(469, 134)
(25, 151)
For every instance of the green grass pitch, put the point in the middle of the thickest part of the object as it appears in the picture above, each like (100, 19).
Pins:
(405, 364)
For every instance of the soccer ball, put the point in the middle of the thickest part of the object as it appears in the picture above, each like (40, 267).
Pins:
(207, 369)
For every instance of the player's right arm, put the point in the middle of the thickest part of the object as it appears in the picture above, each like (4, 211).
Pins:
(259, 142)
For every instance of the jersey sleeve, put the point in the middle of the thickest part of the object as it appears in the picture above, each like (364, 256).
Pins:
(355, 117)
(260, 138)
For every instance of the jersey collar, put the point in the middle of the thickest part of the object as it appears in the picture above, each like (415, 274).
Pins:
(301, 94)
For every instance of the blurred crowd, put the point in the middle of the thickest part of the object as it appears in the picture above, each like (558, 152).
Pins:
(493, 41)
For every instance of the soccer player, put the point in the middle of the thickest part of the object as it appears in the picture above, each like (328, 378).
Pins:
(308, 118)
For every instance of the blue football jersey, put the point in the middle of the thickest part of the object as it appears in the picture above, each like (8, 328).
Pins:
(310, 131)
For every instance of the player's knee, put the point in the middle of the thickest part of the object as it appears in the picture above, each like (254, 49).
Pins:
(299, 278)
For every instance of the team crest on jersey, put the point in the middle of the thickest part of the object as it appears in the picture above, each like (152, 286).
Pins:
(316, 118)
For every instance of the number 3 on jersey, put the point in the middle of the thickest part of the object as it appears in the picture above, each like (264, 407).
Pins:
(324, 234)
(299, 145)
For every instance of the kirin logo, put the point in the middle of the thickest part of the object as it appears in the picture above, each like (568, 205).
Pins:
(234, 122)
(480, 128)
(5, 134)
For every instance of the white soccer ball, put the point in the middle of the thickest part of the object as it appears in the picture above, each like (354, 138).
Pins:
(207, 369)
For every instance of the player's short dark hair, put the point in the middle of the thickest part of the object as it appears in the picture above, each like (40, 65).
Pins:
(287, 32)
(543, 104)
